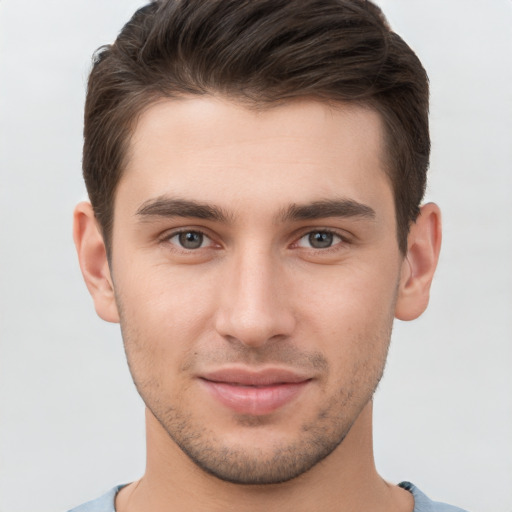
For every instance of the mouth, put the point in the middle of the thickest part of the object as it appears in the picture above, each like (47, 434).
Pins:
(254, 393)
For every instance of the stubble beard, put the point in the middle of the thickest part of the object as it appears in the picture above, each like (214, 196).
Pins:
(249, 465)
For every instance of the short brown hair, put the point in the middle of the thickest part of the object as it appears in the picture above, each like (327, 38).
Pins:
(262, 52)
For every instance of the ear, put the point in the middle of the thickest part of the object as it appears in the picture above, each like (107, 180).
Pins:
(419, 264)
(92, 256)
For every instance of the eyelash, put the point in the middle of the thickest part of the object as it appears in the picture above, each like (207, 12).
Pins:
(334, 246)
(168, 238)
(342, 239)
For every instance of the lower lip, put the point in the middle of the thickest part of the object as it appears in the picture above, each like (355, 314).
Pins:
(254, 400)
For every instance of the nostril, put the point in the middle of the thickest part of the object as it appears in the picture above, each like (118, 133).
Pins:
(255, 328)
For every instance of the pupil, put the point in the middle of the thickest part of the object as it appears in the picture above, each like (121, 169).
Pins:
(191, 240)
(320, 239)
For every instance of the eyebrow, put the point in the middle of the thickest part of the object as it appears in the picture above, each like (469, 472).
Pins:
(344, 208)
(173, 207)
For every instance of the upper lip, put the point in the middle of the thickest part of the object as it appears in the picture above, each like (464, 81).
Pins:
(251, 377)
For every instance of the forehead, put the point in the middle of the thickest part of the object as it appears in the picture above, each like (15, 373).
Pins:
(217, 150)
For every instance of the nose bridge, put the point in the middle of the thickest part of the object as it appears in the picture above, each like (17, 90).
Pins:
(255, 306)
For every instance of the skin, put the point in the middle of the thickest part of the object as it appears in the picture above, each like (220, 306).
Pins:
(292, 264)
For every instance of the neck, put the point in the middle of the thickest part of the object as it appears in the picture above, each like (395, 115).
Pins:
(345, 481)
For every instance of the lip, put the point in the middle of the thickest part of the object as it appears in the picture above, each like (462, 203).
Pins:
(254, 392)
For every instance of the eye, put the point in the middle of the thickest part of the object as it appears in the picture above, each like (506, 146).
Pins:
(190, 240)
(319, 240)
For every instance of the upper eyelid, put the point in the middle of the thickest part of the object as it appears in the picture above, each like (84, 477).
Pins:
(344, 235)
(170, 233)
(330, 231)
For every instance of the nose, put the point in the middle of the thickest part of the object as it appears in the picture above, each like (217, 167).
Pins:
(255, 305)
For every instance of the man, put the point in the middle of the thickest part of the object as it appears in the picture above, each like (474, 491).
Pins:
(255, 170)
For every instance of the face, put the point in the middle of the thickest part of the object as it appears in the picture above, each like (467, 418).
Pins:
(255, 266)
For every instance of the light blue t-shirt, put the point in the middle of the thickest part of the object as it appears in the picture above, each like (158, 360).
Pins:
(421, 503)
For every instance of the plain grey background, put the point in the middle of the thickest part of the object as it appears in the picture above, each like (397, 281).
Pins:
(71, 423)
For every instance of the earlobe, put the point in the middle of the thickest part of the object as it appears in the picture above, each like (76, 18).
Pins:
(93, 260)
(418, 267)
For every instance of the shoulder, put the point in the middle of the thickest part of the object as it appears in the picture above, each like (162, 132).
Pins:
(423, 503)
(105, 503)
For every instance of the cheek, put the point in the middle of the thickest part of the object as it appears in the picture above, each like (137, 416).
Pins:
(163, 316)
(350, 300)
(163, 299)
(351, 321)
